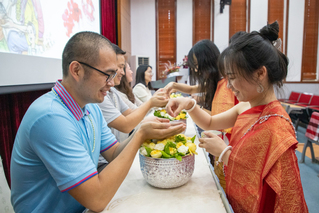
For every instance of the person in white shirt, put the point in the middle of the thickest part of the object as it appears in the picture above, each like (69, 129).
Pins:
(125, 91)
(143, 83)
(119, 117)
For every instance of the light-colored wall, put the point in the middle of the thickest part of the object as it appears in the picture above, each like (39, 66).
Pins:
(295, 39)
(143, 29)
(184, 28)
(221, 26)
(259, 14)
(144, 37)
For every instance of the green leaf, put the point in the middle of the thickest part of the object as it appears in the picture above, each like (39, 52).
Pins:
(165, 155)
(178, 157)
(148, 150)
(179, 138)
(180, 154)
(158, 114)
(168, 145)
(166, 148)
(193, 138)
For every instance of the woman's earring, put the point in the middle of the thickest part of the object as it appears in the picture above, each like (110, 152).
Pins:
(260, 88)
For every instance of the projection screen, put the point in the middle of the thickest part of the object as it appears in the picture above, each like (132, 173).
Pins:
(33, 34)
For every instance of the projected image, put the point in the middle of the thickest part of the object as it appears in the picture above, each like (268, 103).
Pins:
(41, 27)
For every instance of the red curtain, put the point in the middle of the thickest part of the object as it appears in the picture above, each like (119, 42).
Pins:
(108, 19)
(12, 108)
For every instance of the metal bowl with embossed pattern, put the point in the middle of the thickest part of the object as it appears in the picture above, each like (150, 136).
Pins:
(167, 173)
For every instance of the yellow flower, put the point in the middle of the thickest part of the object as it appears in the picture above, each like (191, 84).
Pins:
(182, 115)
(182, 135)
(163, 142)
(171, 139)
(151, 145)
(191, 148)
(172, 150)
(163, 110)
(156, 154)
(145, 144)
(179, 144)
(178, 117)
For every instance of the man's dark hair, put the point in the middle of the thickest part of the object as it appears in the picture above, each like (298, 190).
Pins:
(118, 50)
(85, 47)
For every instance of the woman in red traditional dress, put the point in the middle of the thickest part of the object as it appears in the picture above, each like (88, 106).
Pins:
(262, 173)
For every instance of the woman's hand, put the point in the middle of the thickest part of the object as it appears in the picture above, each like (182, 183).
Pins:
(213, 143)
(159, 98)
(169, 88)
(176, 105)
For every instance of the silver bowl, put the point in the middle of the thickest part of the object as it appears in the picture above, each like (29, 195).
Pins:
(167, 173)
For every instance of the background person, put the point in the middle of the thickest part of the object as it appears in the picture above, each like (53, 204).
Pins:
(125, 91)
(119, 117)
(202, 62)
(142, 88)
(262, 173)
(56, 149)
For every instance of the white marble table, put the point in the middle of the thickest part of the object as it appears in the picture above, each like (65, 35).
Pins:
(200, 194)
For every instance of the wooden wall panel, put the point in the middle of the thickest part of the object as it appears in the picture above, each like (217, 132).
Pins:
(237, 17)
(276, 13)
(310, 41)
(201, 20)
(165, 35)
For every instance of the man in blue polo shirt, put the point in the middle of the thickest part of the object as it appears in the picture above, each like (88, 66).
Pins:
(56, 150)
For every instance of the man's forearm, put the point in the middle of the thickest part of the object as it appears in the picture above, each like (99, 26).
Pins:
(124, 143)
(136, 116)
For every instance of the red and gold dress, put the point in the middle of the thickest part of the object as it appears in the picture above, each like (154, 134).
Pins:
(262, 173)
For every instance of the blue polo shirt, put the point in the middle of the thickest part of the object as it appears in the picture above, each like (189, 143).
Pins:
(56, 149)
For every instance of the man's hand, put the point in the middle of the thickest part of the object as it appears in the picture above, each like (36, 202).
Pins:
(159, 130)
(159, 99)
(155, 119)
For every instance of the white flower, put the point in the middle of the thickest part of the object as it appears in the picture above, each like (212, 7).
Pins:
(169, 117)
(159, 146)
(183, 149)
(163, 113)
(143, 151)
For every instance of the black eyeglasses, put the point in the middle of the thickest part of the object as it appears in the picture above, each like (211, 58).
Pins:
(109, 77)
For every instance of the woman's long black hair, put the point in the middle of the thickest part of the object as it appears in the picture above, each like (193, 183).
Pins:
(203, 57)
(125, 88)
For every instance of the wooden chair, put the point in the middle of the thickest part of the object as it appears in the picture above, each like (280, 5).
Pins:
(312, 134)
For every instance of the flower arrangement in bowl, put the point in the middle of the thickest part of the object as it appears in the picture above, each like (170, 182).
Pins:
(170, 68)
(181, 117)
(175, 146)
(175, 95)
(168, 163)
(161, 113)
